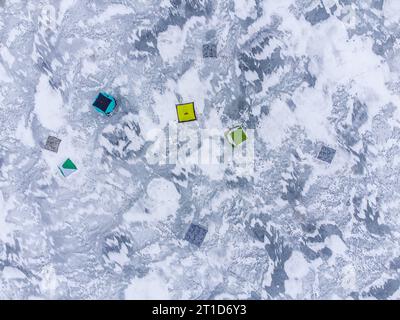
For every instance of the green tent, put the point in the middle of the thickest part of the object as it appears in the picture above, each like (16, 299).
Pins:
(67, 167)
(236, 136)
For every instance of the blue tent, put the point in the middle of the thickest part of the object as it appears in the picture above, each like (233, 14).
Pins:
(104, 103)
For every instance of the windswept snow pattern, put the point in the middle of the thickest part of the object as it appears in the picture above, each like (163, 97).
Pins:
(303, 74)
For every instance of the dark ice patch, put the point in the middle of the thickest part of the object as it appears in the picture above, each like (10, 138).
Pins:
(308, 77)
(210, 35)
(308, 227)
(386, 291)
(259, 46)
(181, 177)
(174, 19)
(278, 279)
(361, 164)
(261, 67)
(279, 253)
(326, 154)
(345, 2)
(179, 12)
(325, 253)
(383, 44)
(114, 242)
(333, 9)
(255, 296)
(198, 8)
(147, 42)
(359, 115)
(196, 234)
(210, 50)
(395, 264)
(176, 3)
(118, 143)
(317, 15)
(348, 133)
(12, 250)
(308, 252)
(377, 4)
(295, 185)
(291, 104)
(371, 218)
(259, 232)
(327, 230)
(236, 108)
(324, 231)
(371, 221)
(239, 182)
(355, 295)
(294, 189)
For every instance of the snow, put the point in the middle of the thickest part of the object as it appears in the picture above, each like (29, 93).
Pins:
(110, 12)
(336, 244)
(171, 43)
(6, 228)
(391, 9)
(274, 129)
(120, 257)
(192, 88)
(349, 277)
(281, 225)
(164, 105)
(4, 76)
(64, 6)
(151, 287)
(24, 133)
(6, 55)
(245, 8)
(49, 105)
(12, 273)
(296, 268)
(164, 196)
(162, 202)
(12, 36)
(89, 68)
(49, 281)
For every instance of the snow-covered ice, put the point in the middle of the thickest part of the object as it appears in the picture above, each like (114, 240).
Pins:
(297, 75)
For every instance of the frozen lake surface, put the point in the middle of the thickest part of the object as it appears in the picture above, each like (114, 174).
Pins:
(315, 213)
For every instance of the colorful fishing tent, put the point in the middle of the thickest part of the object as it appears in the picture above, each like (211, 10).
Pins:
(186, 112)
(236, 136)
(67, 167)
(104, 103)
(52, 144)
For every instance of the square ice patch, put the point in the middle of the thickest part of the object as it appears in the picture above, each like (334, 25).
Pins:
(196, 234)
(52, 144)
(209, 50)
(326, 154)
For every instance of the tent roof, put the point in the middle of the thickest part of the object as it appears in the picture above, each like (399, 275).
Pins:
(102, 102)
(186, 112)
(68, 164)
